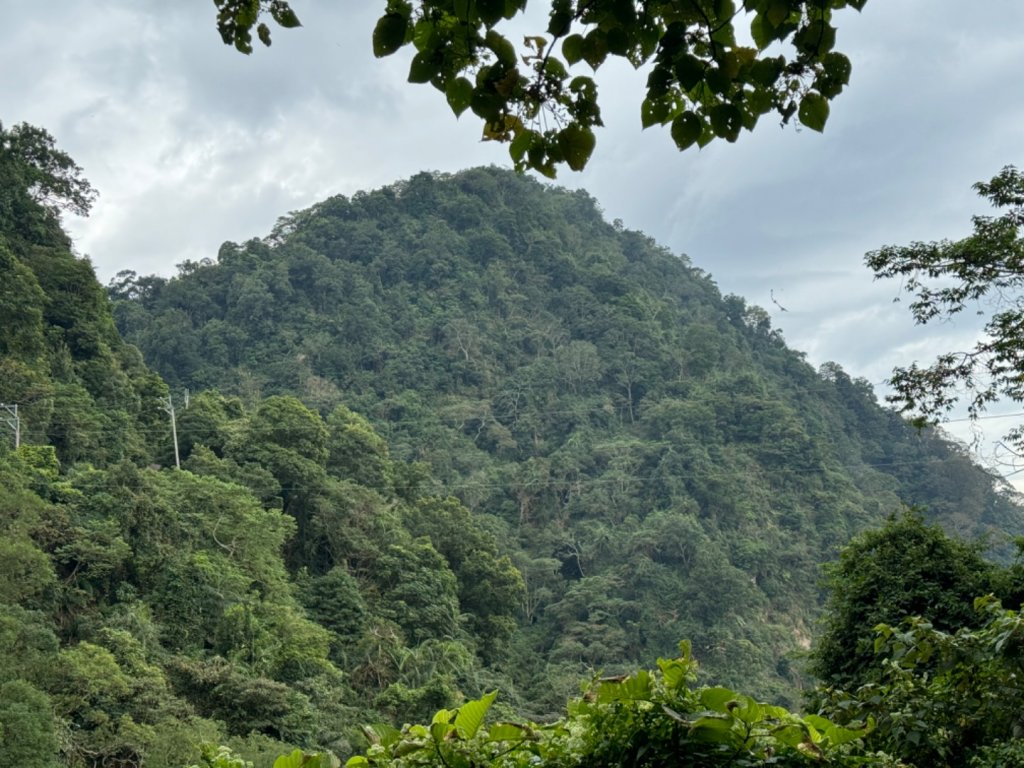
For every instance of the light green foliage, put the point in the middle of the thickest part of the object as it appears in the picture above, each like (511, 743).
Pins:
(945, 278)
(706, 80)
(643, 719)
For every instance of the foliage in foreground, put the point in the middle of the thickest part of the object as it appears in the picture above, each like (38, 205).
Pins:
(649, 718)
(707, 81)
(944, 698)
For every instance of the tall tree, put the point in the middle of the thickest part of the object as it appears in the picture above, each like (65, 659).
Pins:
(985, 269)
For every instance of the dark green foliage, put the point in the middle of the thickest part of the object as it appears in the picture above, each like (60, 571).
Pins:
(27, 733)
(943, 698)
(705, 79)
(906, 568)
(143, 611)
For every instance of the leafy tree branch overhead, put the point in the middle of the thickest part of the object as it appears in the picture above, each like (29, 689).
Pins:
(715, 67)
(944, 278)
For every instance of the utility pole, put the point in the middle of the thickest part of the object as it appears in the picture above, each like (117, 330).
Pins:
(174, 430)
(13, 421)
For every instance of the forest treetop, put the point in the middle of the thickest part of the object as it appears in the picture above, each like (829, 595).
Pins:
(716, 67)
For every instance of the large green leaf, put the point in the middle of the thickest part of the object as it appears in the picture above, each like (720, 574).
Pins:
(686, 129)
(572, 48)
(576, 143)
(459, 93)
(813, 111)
(389, 34)
(470, 716)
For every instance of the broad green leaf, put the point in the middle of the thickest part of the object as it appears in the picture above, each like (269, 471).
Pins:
(559, 22)
(389, 34)
(818, 722)
(778, 11)
(689, 70)
(470, 716)
(707, 135)
(654, 111)
(490, 11)
(791, 735)
(747, 710)
(443, 716)
(297, 759)
(813, 111)
(714, 729)
(634, 687)
(459, 93)
(766, 72)
(619, 42)
(837, 735)
(837, 67)
(263, 31)
(577, 143)
(572, 48)
(716, 699)
(382, 733)
(507, 732)
(817, 38)
(422, 68)
(760, 32)
(502, 48)
(726, 121)
(555, 68)
(438, 731)
(686, 129)
(521, 143)
(595, 48)
(423, 35)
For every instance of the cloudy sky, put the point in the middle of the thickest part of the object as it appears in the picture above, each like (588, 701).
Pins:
(191, 144)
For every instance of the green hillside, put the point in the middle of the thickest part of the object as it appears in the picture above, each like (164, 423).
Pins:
(655, 460)
(288, 583)
(455, 435)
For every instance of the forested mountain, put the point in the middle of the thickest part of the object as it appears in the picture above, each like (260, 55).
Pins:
(290, 582)
(656, 461)
(455, 435)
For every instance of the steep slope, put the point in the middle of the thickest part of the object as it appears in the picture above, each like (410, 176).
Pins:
(656, 459)
(290, 582)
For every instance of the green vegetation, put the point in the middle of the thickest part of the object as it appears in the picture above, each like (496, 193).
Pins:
(454, 436)
(706, 80)
(945, 278)
(655, 461)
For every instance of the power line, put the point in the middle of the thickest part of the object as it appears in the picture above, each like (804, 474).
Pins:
(13, 421)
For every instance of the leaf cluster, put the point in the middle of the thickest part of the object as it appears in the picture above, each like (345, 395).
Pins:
(705, 81)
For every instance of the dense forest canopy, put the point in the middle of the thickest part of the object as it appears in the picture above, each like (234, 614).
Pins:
(632, 435)
(456, 435)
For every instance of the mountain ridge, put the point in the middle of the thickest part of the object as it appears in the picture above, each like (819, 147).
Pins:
(587, 393)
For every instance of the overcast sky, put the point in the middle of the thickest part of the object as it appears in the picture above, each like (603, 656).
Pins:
(190, 144)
